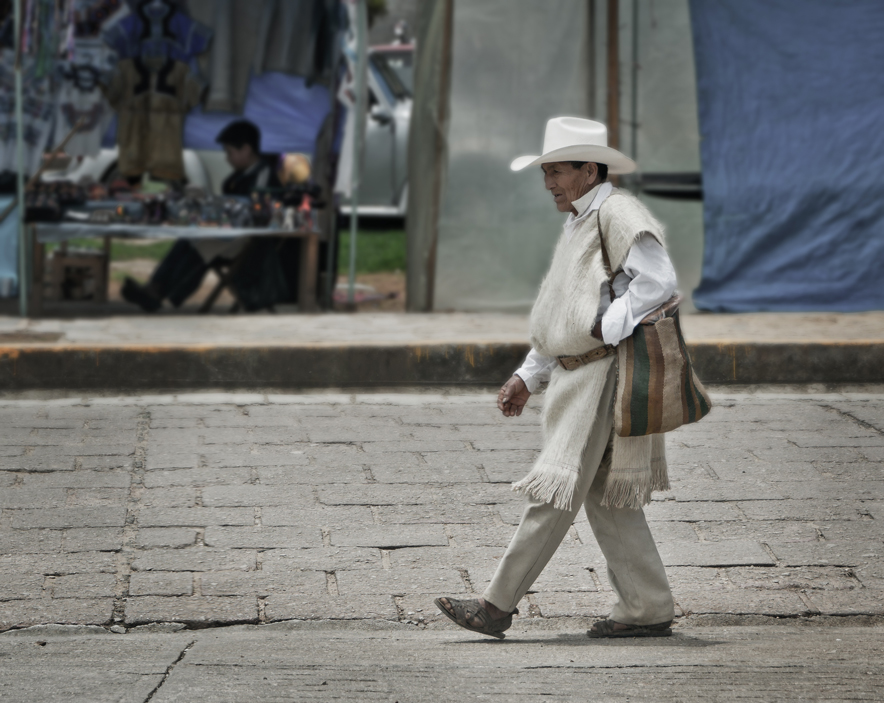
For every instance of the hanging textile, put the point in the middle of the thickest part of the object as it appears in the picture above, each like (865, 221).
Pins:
(80, 97)
(235, 25)
(86, 64)
(791, 106)
(151, 107)
(153, 87)
(253, 37)
(157, 31)
(90, 16)
(40, 49)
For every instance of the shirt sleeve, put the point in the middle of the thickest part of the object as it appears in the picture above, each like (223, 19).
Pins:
(536, 369)
(650, 281)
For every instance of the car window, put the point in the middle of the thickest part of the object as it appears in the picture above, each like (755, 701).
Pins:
(383, 64)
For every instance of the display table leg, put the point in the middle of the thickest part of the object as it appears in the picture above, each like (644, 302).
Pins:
(102, 291)
(308, 273)
(35, 307)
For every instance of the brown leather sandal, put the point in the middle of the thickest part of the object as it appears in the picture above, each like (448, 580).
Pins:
(462, 611)
(606, 628)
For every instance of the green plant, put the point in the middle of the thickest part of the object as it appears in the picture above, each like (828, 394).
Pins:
(376, 251)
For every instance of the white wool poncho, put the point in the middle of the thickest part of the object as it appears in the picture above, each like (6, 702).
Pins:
(561, 325)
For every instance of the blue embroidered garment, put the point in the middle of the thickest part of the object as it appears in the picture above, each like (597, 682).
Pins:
(157, 31)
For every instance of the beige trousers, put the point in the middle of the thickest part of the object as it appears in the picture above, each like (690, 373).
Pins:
(635, 569)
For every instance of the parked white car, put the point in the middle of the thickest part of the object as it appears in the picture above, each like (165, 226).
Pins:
(384, 184)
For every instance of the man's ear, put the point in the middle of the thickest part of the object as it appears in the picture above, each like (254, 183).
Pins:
(592, 170)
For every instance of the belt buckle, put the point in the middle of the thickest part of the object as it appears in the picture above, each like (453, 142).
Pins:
(569, 363)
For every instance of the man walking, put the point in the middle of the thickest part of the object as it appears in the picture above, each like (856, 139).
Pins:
(575, 328)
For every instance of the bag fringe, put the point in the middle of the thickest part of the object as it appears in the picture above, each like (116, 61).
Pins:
(550, 483)
(659, 475)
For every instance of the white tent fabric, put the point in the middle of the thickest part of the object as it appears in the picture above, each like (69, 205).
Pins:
(496, 225)
(514, 64)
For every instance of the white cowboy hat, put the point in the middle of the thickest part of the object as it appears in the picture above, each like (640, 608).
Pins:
(577, 139)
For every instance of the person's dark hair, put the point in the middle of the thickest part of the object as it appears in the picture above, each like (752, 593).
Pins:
(239, 133)
(603, 169)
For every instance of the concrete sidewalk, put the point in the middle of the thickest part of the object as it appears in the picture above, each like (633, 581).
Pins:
(389, 349)
(394, 662)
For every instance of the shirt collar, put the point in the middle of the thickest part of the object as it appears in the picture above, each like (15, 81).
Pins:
(591, 201)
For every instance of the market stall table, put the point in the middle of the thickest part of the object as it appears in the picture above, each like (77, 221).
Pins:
(46, 233)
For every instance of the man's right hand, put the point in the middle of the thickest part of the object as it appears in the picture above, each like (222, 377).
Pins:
(512, 397)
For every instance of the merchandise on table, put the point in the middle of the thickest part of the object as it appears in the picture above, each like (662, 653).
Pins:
(46, 202)
(289, 208)
(210, 211)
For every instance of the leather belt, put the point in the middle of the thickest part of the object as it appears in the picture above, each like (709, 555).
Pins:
(569, 363)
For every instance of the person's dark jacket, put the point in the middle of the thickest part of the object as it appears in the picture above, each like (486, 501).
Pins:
(268, 272)
(260, 176)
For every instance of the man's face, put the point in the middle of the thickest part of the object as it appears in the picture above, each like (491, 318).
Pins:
(239, 157)
(567, 183)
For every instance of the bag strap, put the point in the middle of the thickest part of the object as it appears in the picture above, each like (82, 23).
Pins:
(605, 258)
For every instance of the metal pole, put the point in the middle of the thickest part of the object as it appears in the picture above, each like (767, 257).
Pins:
(591, 48)
(635, 67)
(330, 221)
(24, 280)
(613, 75)
(358, 136)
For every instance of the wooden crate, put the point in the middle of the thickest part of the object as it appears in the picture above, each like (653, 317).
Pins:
(77, 275)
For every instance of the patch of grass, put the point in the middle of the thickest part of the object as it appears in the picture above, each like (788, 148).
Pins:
(125, 251)
(122, 250)
(376, 251)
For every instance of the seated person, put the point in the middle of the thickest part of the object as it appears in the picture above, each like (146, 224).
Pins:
(182, 270)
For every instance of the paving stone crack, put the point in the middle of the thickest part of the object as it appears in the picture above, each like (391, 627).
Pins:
(467, 582)
(646, 667)
(126, 554)
(768, 551)
(853, 418)
(169, 671)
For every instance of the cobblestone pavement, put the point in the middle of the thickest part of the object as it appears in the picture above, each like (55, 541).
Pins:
(222, 509)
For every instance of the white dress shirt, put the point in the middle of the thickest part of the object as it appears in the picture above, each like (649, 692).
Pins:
(646, 281)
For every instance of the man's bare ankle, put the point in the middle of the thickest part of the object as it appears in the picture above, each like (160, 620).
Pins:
(492, 609)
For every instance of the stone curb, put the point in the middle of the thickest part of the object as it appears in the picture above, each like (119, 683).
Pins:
(133, 367)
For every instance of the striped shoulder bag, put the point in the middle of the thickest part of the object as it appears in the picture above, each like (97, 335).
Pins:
(657, 389)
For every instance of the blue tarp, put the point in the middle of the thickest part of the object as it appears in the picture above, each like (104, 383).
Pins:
(288, 113)
(791, 102)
